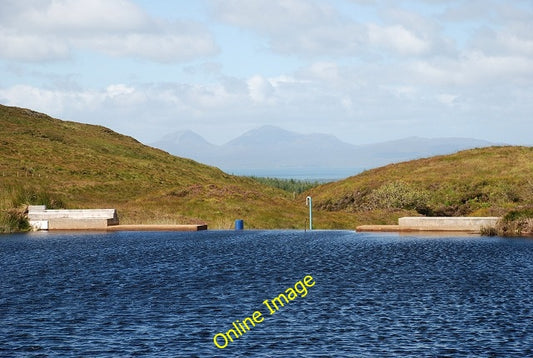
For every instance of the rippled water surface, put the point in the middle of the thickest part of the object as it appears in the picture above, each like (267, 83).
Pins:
(168, 294)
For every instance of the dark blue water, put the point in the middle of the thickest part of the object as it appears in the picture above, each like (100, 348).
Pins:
(168, 294)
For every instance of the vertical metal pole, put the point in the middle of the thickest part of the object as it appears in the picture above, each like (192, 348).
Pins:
(309, 201)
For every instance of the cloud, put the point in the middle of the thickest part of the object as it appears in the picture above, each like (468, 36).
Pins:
(183, 43)
(411, 67)
(43, 30)
(398, 39)
(272, 16)
(446, 98)
(85, 17)
(119, 90)
(469, 11)
(294, 26)
(515, 39)
(317, 29)
(328, 72)
(31, 47)
(350, 101)
(473, 68)
(260, 89)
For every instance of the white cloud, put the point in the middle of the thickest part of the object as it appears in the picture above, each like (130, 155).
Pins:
(58, 102)
(467, 11)
(183, 45)
(273, 16)
(119, 95)
(52, 30)
(403, 91)
(260, 89)
(398, 66)
(119, 90)
(327, 72)
(86, 17)
(38, 99)
(298, 27)
(210, 97)
(314, 28)
(398, 39)
(446, 98)
(515, 39)
(31, 47)
(322, 41)
(473, 69)
(347, 103)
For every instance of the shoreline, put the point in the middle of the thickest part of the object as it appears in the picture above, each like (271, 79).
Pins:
(398, 228)
(157, 227)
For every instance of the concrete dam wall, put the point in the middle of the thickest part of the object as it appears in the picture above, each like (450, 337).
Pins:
(41, 218)
(469, 224)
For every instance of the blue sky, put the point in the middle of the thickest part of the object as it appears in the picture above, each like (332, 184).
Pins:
(365, 71)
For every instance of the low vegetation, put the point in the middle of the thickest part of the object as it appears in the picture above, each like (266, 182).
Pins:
(289, 185)
(478, 182)
(14, 203)
(13, 220)
(514, 223)
(397, 195)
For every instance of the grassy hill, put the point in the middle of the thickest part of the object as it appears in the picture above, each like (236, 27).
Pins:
(479, 182)
(66, 164)
(63, 164)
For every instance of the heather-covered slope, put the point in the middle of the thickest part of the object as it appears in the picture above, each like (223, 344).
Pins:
(478, 182)
(67, 164)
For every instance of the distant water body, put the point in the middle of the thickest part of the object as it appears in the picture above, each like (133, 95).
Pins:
(132, 294)
(310, 174)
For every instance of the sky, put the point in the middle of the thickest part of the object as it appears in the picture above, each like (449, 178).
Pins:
(365, 71)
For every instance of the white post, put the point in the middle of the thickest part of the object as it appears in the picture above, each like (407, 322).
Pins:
(309, 201)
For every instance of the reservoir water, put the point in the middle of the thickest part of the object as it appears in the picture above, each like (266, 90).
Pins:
(142, 294)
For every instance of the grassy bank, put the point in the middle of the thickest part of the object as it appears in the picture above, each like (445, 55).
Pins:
(12, 220)
(14, 201)
(514, 223)
(479, 182)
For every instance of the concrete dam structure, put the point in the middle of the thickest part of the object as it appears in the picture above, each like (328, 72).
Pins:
(464, 223)
(41, 218)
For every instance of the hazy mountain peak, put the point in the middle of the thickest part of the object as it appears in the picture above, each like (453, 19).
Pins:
(186, 144)
(182, 136)
(271, 147)
(267, 134)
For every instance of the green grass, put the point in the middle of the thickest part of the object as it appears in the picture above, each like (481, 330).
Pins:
(13, 203)
(478, 182)
(290, 185)
(515, 223)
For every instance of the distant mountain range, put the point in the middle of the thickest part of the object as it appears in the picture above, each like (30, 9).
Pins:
(273, 151)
